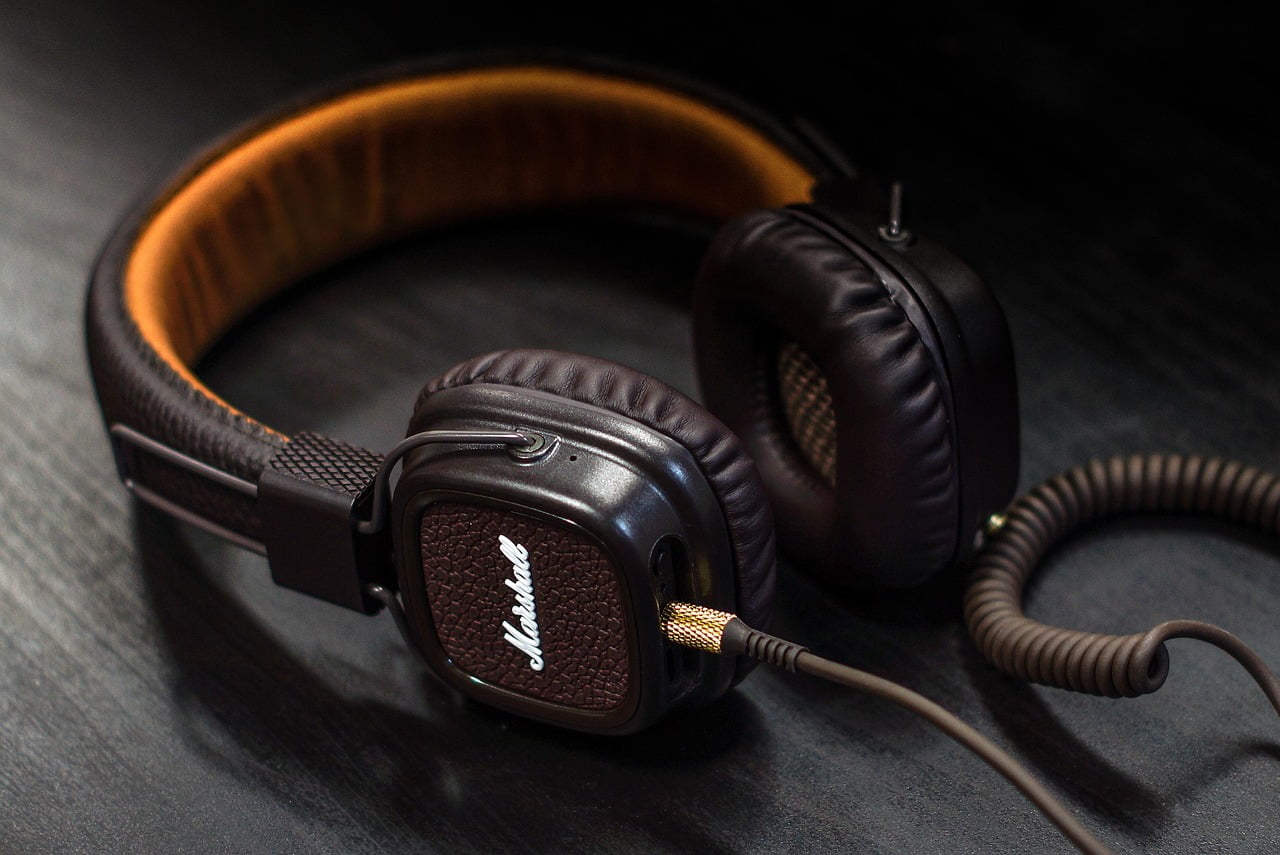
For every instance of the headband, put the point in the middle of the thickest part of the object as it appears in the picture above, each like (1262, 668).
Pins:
(355, 168)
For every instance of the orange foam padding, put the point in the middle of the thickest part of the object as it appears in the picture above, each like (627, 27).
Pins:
(378, 163)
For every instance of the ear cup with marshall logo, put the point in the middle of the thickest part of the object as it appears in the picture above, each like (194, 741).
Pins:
(631, 394)
(855, 393)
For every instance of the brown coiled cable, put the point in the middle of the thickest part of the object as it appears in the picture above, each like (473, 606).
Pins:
(1109, 665)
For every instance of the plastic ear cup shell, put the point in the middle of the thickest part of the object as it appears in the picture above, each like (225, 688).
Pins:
(613, 521)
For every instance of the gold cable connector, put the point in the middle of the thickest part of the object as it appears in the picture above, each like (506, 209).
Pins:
(714, 631)
(695, 626)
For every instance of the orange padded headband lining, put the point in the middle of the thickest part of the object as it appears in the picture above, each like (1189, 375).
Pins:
(381, 162)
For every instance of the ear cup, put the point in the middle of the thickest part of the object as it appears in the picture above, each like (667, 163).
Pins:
(629, 393)
(823, 373)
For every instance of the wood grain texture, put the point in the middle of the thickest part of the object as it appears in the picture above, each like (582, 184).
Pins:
(1115, 184)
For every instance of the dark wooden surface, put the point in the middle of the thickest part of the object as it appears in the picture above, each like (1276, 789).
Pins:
(1114, 184)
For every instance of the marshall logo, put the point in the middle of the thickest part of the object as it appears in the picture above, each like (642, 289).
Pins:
(525, 637)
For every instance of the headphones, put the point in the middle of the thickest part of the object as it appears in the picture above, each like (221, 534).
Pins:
(858, 381)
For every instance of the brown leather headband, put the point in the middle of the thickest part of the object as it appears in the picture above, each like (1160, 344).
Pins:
(413, 150)
(378, 163)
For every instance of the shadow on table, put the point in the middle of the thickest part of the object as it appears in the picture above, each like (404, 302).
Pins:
(456, 774)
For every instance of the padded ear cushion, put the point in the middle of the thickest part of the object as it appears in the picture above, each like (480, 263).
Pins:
(885, 510)
(634, 395)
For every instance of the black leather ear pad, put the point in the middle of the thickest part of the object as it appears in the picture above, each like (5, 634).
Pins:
(887, 513)
(629, 393)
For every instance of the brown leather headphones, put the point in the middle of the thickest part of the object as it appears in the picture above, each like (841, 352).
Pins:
(550, 504)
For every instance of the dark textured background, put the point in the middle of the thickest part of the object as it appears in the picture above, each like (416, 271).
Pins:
(1111, 179)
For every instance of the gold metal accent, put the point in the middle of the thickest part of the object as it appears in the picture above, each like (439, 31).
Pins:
(995, 522)
(694, 626)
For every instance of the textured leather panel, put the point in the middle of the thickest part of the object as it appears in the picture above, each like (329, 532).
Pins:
(892, 516)
(572, 647)
(637, 396)
(295, 192)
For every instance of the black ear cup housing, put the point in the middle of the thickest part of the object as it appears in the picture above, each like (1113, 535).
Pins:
(871, 381)
(534, 579)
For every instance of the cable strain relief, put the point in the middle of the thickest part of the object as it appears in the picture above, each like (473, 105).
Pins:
(742, 640)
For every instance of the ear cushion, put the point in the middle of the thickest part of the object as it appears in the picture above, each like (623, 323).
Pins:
(634, 395)
(881, 506)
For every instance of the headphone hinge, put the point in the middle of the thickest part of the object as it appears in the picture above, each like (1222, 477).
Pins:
(311, 497)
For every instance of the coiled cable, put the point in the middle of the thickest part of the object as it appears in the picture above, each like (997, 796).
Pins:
(1097, 663)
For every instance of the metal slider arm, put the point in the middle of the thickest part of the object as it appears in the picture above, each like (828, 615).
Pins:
(126, 442)
(322, 504)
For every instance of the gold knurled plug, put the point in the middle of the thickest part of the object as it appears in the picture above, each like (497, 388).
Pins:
(694, 626)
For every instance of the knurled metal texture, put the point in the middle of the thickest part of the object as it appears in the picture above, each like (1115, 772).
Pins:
(694, 626)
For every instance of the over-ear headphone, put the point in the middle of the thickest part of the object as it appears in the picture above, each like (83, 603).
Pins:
(551, 504)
